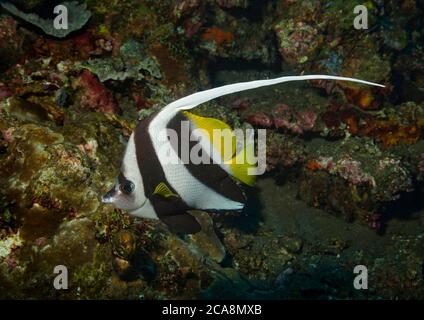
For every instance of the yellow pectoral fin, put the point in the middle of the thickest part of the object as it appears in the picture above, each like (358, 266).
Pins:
(241, 166)
(163, 190)
(220, 134)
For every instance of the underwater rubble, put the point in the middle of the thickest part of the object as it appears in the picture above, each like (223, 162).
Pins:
(345, 163)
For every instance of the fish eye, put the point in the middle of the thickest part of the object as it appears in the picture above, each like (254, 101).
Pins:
(127, 187)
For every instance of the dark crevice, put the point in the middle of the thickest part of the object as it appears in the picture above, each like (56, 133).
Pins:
(406, 207)
(239, 65)
(253, 12)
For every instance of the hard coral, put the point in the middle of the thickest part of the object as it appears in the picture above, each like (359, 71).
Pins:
(347, 168)
(404, 125)
(354, 178)
(132, 62)
(95, 96)
(285, 118)
(298, 41)
(284, 151)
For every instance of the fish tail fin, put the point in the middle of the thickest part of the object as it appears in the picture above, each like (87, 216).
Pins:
(241, 165)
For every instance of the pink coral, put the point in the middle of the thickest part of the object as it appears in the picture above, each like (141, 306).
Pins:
(346, 168)
(39, 242)
(284, 117)
(241, 104)
(298, 41)
(307, 119)
(8, 134)
(96, 97)
(351, 170)
(260, 119)
(11, 262)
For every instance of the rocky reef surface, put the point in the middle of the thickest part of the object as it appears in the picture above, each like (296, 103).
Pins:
(345, 163)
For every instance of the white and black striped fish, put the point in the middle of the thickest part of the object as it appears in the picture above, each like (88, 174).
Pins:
(151, 187)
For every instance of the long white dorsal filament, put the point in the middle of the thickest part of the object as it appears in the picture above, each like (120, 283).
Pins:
(197, 98)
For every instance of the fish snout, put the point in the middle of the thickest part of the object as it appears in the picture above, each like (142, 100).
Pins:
(109, 196)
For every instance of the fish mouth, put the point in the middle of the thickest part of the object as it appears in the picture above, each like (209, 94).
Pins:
(107, 199)
(108, 196)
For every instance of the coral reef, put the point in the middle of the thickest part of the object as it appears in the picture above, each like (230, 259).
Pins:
(345, 162)
(128, 66)
(359, 181)
(11, 42)
(96, 96)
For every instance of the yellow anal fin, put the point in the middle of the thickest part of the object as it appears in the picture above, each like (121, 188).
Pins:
(163, 190)
(242, 167)
(220, 134)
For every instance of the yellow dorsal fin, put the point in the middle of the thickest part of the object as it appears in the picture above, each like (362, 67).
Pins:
(163, 190)
(239, 165)
(223, 139)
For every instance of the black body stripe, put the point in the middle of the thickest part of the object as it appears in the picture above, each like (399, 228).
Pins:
(152, 173)
(212, 175)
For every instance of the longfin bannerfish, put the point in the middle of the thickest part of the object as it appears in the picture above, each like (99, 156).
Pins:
(150, 187)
